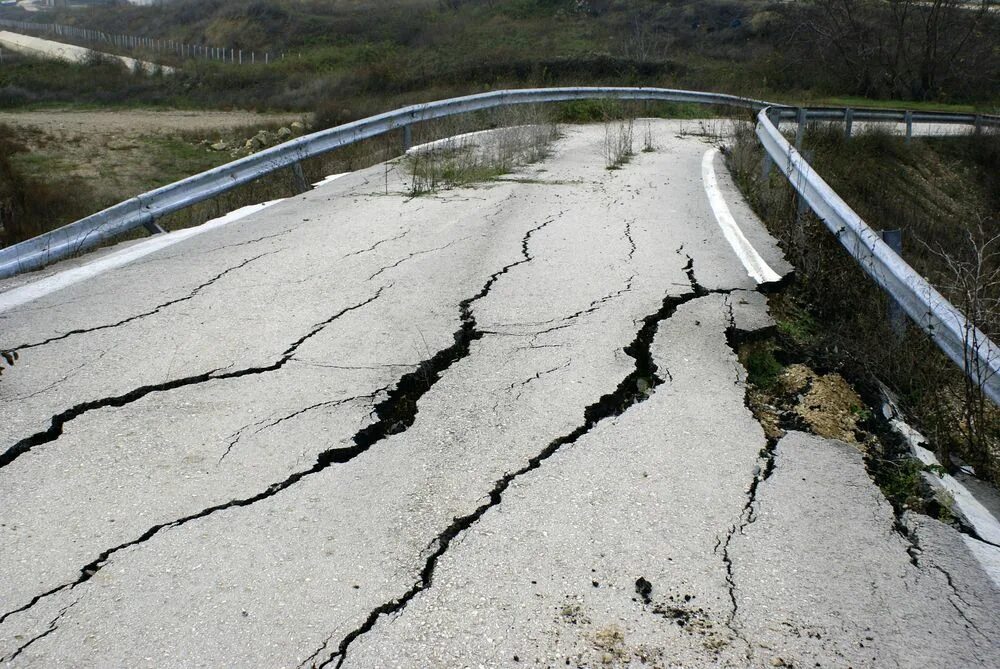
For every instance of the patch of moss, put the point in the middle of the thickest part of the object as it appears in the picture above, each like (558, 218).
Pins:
(763, 369)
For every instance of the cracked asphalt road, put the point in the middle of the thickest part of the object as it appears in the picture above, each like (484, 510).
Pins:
(495, 426)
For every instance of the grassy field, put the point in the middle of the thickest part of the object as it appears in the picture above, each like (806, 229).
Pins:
(988, 107)
(56, 167)
(340, 60)
(347, 58)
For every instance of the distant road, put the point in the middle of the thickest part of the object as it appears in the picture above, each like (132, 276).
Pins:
(36, 46)
(139, 122)
(496, 426)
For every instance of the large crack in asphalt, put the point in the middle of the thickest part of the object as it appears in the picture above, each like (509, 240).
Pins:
(394, 414)
(636, 387)
(767, 459)
(268, 423)
(915, 551)
(413, 255)
(628, 237)
(399, 410)
(53, 626)
(762, 471)
(155, 310)
(59, 421)
(323, 460)
(566, 321)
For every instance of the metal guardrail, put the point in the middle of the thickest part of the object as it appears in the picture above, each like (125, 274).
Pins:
(145, 209)
(967, 346)
(972, 351)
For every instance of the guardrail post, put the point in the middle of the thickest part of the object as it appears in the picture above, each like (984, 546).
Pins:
(848, 122)
(765, 169)
(299, 177)
(407, 137)
(895, 314)
(908, 117)
(977, 125)
(154, 228)
(800, 202)
(800, 131)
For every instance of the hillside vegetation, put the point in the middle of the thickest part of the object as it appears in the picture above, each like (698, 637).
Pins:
(347, 58)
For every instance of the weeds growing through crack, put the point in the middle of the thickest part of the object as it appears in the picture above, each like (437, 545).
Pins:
(648, 142)
(521, 136)
(618, 142)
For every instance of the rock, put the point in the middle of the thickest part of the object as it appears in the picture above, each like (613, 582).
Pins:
(297, 126)
(284, 133)
(219, 146)
(643, 588)
(826, 403)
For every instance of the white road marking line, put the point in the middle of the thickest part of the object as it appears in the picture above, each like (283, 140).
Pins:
(756, 267)
(981, 518)
(446, 142)
(329, 178)
(987, 556)
(50, 284)
(459, 141)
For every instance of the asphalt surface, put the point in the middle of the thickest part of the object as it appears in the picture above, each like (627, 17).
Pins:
(500, 425)
(35, 46)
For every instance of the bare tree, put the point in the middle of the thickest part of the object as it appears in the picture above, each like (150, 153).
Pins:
(907, 48)
(972, 283)
(640, 42)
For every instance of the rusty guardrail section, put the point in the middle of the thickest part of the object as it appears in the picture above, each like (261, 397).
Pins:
(969, 348)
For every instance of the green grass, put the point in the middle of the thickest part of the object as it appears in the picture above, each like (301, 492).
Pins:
(913, 105)
(362, 56)
(452, 176)
(763, 369)
(40, 163)
(175, 159)
(900, 482)
(118, 105)
(794, 322)
(600, 110)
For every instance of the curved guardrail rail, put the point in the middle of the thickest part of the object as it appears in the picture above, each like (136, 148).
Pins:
(972, 351)
(145, 209)
(967, 347)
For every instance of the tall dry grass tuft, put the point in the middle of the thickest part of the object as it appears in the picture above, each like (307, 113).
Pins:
(519, 136)
(619, 136)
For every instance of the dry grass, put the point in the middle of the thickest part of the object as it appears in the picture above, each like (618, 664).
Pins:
(521, 136)
(619, 137)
